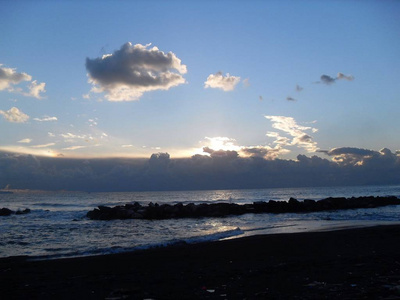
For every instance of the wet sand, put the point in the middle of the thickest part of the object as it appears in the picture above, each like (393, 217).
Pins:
(361, 263)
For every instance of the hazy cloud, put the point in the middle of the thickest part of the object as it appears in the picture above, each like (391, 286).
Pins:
(14, 115)
(73, 148)
(25, 141)
(133, 70)
(43, 145)
(46, 119)
(298, 133)
(218, 81)
(346, 77)
(246, 82)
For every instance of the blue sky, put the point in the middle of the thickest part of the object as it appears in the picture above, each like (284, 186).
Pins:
(283, 77)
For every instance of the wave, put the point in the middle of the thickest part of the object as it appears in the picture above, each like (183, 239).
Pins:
(116, 249)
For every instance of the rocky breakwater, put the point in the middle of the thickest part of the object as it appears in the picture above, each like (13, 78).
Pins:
(166, 211)
(6, 211)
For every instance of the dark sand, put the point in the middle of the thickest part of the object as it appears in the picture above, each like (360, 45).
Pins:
(344, 264)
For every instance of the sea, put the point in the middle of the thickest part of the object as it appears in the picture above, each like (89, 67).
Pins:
(57, 225)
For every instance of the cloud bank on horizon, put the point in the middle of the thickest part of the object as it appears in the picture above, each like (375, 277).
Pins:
(223, 169)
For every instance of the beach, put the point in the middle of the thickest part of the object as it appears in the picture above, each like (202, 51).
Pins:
(362, 263)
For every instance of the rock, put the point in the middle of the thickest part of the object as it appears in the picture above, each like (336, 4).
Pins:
(166, 211)
(5, 212)
(23, 212)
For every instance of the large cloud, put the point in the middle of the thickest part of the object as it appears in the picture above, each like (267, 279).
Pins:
(298, 133)
(219, 81)
(133, 70)
(9, 77)
(223, 169)
(14, 115)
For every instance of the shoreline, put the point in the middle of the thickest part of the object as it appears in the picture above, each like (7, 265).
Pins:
(353, 263)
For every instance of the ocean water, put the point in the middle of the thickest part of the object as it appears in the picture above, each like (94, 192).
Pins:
(58, 227)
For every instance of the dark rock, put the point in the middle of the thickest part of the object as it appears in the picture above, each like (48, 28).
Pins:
(23, 212)
(191, 210)
(5, 212)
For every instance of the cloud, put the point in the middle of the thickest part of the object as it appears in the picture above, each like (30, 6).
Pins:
(133, 70)
(221, 170)
(25, 141)
(14, 115)
(326, 79)
(46, 119)
(10, 77)
(246, 82)
(43, 145)
(357, 156)
(35, 89)
(346, 77)
(265, 152)
(299, 88)
(298, 133)
(73, 148)
(218, 81)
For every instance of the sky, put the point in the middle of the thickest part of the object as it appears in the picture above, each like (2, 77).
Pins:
(259, 79)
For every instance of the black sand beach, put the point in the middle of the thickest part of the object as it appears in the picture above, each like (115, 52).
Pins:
(344, 264)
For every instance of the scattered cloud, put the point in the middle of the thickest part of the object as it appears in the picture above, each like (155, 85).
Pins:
(326, 79)
(246, 82)
(346, 77)
(25, 141)
(299, 88)
(298, 133)
(133, 70)
(35, 89)
(46, 119)
(14, 115)
(9, 77)
(218, 81)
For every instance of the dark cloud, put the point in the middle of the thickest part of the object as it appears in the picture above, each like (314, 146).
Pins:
(326, 79)
(363, 157)
(219, 170)
(133, 70)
